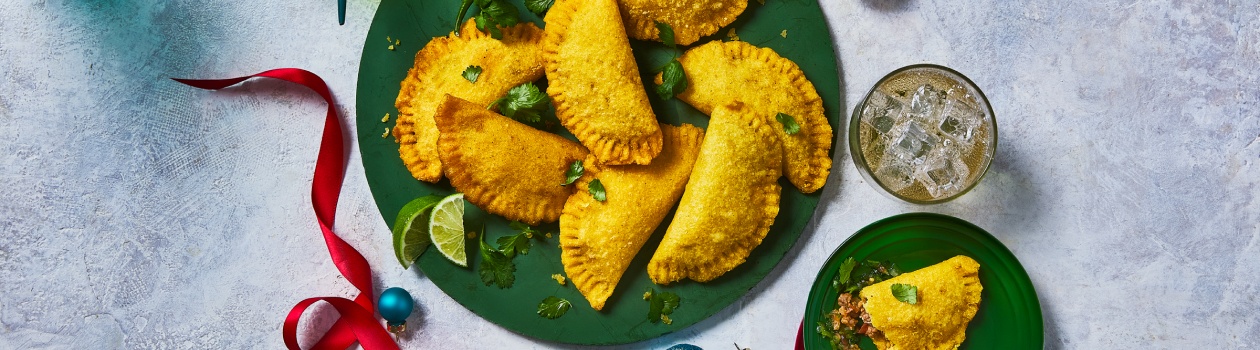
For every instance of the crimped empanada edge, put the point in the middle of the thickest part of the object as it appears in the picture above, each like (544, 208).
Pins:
(639, 150)
(534, 212)
(644, 28)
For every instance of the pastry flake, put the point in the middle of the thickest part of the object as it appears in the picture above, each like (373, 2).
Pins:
(501, 165)
(438, 70)
(599, 239)
(595, 85)
(729, 203)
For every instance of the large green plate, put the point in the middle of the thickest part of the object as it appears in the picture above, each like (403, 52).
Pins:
(414, 22)
(1010, 314)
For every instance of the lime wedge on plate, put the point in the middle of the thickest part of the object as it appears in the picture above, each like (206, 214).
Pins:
(411, 236)
(446, 228)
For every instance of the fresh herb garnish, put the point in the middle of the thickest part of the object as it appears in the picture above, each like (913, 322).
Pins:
(862, 274)
(597, 190)
(524, 102)
(539, 7)
(660, 305)
(666, 34)
(553, 307)
(575, 172)
(673, 80)
(851, 276)
(471, 73)
(906, 293)
(846, 270)
(789, 123)
(517, 243)
(494, 14)
(496, 268)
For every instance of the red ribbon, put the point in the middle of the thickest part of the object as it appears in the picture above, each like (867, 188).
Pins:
(357, 322)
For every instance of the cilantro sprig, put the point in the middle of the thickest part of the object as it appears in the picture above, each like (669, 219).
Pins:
(493, 15)
(496, 267)
(575, 172)
(661, 305)
(673, 79)
(905, 293)
(524, 103)
(553, 307)
(517, 243)
(472, 73)
(854, 275)
(539, 7)
(597, 190)
(789, 123)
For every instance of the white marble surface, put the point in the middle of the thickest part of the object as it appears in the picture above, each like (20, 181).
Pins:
(136, 213)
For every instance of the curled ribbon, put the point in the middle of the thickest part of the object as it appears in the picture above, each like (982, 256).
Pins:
(357, 322)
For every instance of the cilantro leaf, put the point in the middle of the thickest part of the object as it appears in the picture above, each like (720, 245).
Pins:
(846, 271)
(524, 103)
(575, 172)
(789, 123)
(487, 24)
(496, 268)
(661, 305)
(539, 7)
(495, 14)
(673, 80)
(517, 243)
(553, 307)
(906, 293)
(597, 190)
(471, 73)
(666, 34)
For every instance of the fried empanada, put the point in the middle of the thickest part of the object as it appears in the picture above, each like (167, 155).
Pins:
(730, 202)
(438, 69)
(690, 19)
(599, 239)
(503, 166)
(948, 297)
(721, 72)
(594, 82)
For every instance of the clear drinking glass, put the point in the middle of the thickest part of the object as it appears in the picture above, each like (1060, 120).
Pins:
(924, 134)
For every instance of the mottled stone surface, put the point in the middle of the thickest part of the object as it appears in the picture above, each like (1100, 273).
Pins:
(137, 213)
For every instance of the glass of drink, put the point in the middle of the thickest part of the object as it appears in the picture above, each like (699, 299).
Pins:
(924, 134)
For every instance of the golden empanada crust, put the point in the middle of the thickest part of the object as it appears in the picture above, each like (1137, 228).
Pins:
(438, 69)
(729, 203)
(948, 298)
(690, 19)
(721, 72)
(503, 166)
(595, 85)
(599, 239)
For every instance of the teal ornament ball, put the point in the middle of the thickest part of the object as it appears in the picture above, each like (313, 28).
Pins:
(395, 304)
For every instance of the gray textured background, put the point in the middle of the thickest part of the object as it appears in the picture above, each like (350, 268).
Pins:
(136, 213)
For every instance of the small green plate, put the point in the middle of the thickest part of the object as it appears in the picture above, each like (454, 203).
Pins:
(624, 319)
(1010, 314)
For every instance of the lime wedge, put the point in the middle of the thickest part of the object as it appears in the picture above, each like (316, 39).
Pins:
(446, 228)
(411, 236)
